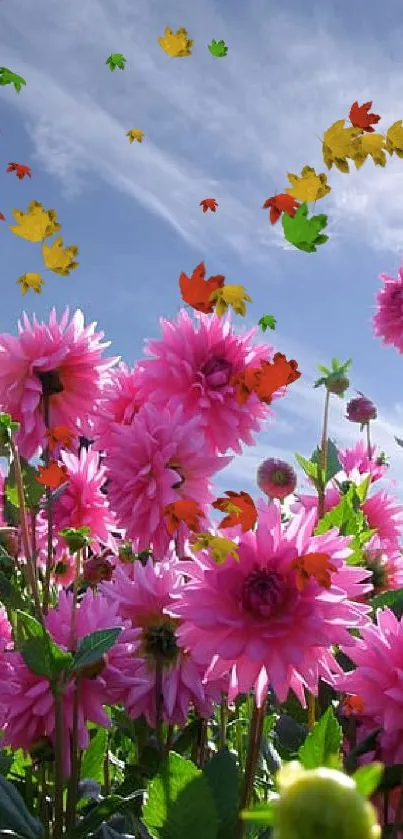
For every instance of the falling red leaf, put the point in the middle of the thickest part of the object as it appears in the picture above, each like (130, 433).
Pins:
(19, 169)
(2, 218)
(316, 565)
(281, 203)
(240, 508)
(266, 379)
(52, 475)
(209, 204)
(186, 510)
(360, 118)
(196, 290)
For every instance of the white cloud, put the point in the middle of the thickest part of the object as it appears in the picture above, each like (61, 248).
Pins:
(231, 128)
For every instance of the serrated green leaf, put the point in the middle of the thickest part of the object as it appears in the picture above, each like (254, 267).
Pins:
(310, 469)
(92, 764)
(180, 803)
(226, 795)
(94, 646)
(323, 743)
(367, 778)
(39, 651)
(333, 464)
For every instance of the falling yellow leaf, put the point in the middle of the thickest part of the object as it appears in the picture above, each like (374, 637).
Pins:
(338, 144)
(230, 295)
(371, 145)
(176, 44)
(394, 139)
(33, 281)
(59, 259)
(219, 547)
(308, 186)
(135, 134)
(36, 224)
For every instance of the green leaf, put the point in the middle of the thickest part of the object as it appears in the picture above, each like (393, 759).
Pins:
(393, 599)
(180, 803)
(8, 77)
(368, 778)
(226, 795)
(40, 653)
(310, 469)
(116, 59)
(9, 593)
(187, 737)
(333, 464)
(94, 646)
(77, 538)
(32, 490)
(218, 48)
(323, 742)
(102, 812)
(14, 814)
(267, 322)
(262, 813)
(303, 232)
(92, 765)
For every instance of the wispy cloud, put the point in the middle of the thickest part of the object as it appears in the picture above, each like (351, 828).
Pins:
(219, 121)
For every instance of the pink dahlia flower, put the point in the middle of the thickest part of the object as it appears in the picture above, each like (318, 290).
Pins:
(118, 405)
(360, 409)
(356, 458)
(378, 656)
(276, 478)
(385, 561)
(143, 594)
(28, 699)
(81, 504)
(62, 360)
(257, 619)
(388, 319)
(193, 367)
(158, 459)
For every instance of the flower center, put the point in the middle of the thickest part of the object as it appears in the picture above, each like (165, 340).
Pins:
(159, 643)
(262, 592)
(217, 372)
(374, 563)
(51, 382)
(176, 468)
(280, 478)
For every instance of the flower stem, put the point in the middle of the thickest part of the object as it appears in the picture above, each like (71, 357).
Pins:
(26, 541)
(58, 811)
(107, 777)
(49, 512)
(369, 447)
(73, 783)
(323, 459)
(159, 705)
(311, 710)
(223, 723)
(255, 736)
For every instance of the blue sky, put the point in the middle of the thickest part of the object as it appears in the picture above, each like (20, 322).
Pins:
(229, 128)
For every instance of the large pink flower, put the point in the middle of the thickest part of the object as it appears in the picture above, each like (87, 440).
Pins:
(158, 459)
(28, 699)
(193, 367)
(377, 680)
(143, 594)
(388, 318)
(254, 617)
(356, 458)
(118, 404)
(62, 360)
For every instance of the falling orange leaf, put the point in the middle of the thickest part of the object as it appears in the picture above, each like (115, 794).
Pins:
(240, 508)
(353, 705)
(186, 510)
(275, 375)
(196, 290)
(209, 204)
(315, 565)
(60, 434)
(280, 203)
(52, 475)
(20, 170)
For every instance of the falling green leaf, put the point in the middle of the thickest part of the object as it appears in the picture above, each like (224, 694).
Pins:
(116, 59)
(218, 48)
(304, 232)
(8, 77)
(267, 321)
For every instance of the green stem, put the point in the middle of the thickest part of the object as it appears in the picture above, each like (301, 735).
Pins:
(255, 736)
(31, 570)
(311, 710)
(58, 811)
(43, 802)
(107, 776)
(369, 448)
(323, 459)
(223, 723)
(74, 773)
(159, 705)
(49, 512)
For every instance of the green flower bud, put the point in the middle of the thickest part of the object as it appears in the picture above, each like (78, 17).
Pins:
(321, 804)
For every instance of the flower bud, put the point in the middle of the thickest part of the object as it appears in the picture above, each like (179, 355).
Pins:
(97, 569)
(362, 410)
(337, 383)
(321, 804)
(276, 478)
